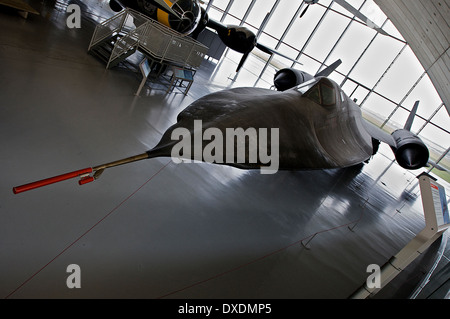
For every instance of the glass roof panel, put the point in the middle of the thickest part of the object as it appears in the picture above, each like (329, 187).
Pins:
(260, 9)
(400, 78)
(216, 14)
(427, 95)
(280, 19)
(239, 8)
(326, 35)
(303, 27)
(349, 50)
(373, 12)
(376, 60)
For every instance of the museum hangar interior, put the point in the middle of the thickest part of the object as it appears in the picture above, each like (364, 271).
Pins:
(162, 229)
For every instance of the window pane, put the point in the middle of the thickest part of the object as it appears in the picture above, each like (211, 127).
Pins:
(349, 50)
(257, 15)
(442, 119)
(401, 76)
(360, 94)
(239, 8)
(214, 11)
(313, 94)
(376, 60)
(373, 12)
(392, 30)
(336, 77)
(348, 87)
(283, 62)
(303, 27)
(398, 120)
(221, 4)
(328, 94)
(326, 35)
(229, 20)
(435, 138)
(380, 108)
(445, 162)
(280, 18)
(427, 95)
(308, 64)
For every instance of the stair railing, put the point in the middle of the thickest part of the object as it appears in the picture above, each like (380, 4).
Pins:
(161, 42)
(107, 28)
(126, 43)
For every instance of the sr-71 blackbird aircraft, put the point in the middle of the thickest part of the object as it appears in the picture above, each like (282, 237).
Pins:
(189, 18)
(318, 126)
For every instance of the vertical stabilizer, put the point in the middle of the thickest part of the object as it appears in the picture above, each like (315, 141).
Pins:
(329, 69)
(411, 116)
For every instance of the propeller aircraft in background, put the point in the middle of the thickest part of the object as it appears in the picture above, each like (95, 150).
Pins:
(189, 18)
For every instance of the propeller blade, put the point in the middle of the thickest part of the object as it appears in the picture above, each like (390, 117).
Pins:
(268, 50)
(265, 49)
(304, 11)
(167, 7)
(241, 63)
(263, 24)
(360, 16)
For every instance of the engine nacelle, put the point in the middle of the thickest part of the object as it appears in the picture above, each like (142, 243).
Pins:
(411, 152)
(115, 6)
(287, 78)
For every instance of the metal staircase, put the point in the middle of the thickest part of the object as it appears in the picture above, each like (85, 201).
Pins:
(120, 36)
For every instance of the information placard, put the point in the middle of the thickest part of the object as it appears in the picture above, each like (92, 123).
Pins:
(145, 68)
(440, 204)
(434, 203)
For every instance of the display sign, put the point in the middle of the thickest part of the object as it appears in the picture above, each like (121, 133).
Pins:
(435, 203)
(145, 68)
(440, 204)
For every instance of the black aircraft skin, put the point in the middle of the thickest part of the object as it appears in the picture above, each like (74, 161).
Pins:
(189, 18)
(320, 127)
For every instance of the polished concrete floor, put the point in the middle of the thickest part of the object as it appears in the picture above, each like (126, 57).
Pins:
(156, 229)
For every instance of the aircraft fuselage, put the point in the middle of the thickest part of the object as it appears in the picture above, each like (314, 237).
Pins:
(315, 131)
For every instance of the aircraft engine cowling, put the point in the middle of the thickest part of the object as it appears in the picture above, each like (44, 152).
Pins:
(411, 152)
(115, 6)
(287, 78)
